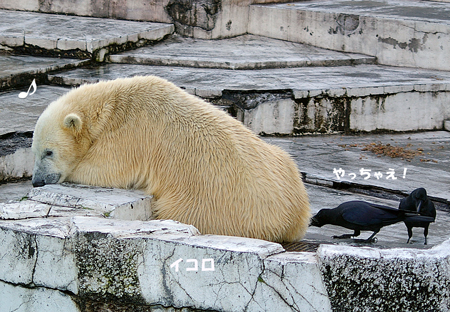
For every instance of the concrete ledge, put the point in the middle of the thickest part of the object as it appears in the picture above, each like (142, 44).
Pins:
(17, 71)
(361, 279)
(48, 34)
(115, 203)
(205, 19)
(401, 33)
(77, 258)
(447, 125)
(16, 158)
(243, 52)
(165, 265)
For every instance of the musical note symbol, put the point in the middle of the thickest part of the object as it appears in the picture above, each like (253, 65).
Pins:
(23, 95)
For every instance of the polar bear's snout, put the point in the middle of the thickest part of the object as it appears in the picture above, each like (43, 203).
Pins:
(41, 180)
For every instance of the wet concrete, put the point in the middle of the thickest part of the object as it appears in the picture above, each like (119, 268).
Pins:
(243, 52)
(411, 9)
(365, 79)
(20, 70)
(389, 237)
(319, 155)
(81, 37)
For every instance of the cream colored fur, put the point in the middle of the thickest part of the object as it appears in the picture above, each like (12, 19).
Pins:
(202, 166)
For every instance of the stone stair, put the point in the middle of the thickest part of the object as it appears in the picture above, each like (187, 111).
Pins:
(74, 36)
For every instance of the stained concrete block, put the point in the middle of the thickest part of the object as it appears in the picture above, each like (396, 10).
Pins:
(152, 263)
(209, 272)
(273, 117)
(362, 279)
(17, 165)
(56, 266)
(386, 112)
(17, 256)
(21, 299)
(115, 203)
(288, 273)
(447, 125)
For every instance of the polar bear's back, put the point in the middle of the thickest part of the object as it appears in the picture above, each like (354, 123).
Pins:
(202, 166)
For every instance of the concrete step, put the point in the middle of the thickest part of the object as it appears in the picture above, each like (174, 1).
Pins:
(201, 19)
(243, 52)
(400, 33)
(308, 99)
(74, 36)
(20, 70)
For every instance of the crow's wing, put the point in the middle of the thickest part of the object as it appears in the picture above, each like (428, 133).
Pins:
(365, 214)
(419, 218)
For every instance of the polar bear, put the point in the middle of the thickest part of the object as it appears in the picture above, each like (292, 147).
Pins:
(202, 166)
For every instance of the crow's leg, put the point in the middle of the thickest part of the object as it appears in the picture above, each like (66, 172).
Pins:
(425, 233)
(409, 234)
(355, 234)
(371, 238)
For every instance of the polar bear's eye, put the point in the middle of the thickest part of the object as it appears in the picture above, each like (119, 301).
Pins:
(48, 153)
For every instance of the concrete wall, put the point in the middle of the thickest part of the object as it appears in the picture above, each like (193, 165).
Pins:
(64, 255)
(394, 108)
(70, 258)
(393, 40)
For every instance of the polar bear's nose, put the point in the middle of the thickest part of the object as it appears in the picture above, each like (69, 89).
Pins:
(37, 183)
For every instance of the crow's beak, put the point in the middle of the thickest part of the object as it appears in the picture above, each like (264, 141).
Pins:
(314, 222)
(418, 206)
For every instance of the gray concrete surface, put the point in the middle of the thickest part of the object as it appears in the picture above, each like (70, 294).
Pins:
(206, 82)
(305, 99)
(49, 32)
(393, 236)
(318, 156)
(18, 114)
(243, 52)
(17, 69)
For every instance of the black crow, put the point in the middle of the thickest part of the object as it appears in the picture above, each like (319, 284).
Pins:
(360, 216)
(418, 202)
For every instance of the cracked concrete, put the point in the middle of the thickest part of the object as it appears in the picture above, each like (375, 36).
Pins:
(39, 299)
(131, 263)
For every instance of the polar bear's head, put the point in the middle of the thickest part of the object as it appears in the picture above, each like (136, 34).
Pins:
(58, 145)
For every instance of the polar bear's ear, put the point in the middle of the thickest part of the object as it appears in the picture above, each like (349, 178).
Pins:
(73, 121)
